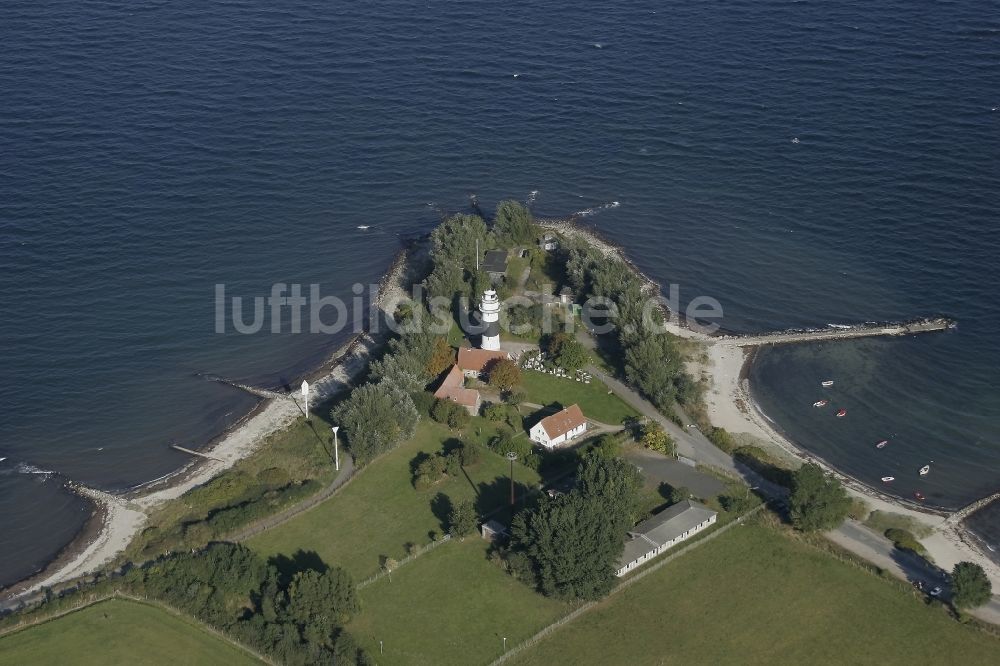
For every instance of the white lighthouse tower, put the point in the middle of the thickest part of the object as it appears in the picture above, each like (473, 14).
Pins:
(489, 310)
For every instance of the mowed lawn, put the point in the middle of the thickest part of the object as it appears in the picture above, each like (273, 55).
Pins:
(118, 631)
(594, 399)
(757, 596)
(450, 606)
(379, 512)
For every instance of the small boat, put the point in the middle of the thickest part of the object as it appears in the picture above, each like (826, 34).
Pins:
(363, 227)
(821, 403)
(841, 413)
(919, 495)
(827, 383)
(888, 479)
(925, 470)
(2, 459)
(881, 445)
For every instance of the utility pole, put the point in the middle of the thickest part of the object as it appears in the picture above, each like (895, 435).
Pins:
(336, 452)
(511, 456)
(305, 397)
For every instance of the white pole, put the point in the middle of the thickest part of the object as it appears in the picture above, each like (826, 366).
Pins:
(336, 453)
(305, 396)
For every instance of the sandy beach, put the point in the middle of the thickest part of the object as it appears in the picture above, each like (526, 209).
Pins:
(123, 516)
(731, 406)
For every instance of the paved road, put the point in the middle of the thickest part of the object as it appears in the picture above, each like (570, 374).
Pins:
(851, 535)
(881, 552)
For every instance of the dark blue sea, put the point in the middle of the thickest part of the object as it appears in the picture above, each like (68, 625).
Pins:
(150, 150)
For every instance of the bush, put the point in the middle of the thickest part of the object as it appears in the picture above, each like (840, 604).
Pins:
(722, 439)
(905, 541)
(463, 519)
(423, 402)
(441, 410)
(764, 464)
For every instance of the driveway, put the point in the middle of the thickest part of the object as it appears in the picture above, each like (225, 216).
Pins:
(658, 468)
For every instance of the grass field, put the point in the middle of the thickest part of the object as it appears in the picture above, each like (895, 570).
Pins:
(593, 398)
(450, 606)
(119, 632)
(379, 512)
(757, 596)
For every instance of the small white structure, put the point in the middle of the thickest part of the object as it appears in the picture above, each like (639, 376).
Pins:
(559, 428)
(489, 310)
(663, 531)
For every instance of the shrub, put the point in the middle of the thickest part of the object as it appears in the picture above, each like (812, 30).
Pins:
(905, 541)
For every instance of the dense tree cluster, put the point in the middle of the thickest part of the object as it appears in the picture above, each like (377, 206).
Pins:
(817, 502)
(453, 251)
(650, 358)
(568, 545)
(376, 418)
(514, 224)
(294, 617)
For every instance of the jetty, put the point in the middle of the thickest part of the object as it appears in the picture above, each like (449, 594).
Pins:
(840, 332)
(195, 453)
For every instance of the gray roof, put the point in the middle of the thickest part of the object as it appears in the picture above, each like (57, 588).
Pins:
(663, 527)
(495, 261)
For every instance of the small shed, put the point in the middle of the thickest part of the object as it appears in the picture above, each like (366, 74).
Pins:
(494, 530)
(495, 263)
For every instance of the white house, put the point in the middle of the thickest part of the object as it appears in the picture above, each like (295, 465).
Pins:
(663, 531)
(561, 427)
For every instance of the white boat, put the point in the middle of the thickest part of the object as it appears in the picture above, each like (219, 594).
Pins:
(2, 459)
(925, 470)
(828, 382)
(363, 227)
(821, 403)
(888, 479)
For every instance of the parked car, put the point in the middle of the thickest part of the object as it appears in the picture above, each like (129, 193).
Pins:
(935, 591)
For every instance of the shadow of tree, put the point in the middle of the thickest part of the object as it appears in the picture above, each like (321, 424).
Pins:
(301, 560)
(441, 507)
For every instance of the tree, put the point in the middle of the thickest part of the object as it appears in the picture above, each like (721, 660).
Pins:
(442, 357)
(570, 354)
(504, 374)
(655, 439)
(970, 585)
(326, 598)
(463, 519)
(607, 445)
(514, 223)
(817, 502)
(615, 482)
(572, 544)
(653, 365)
(458, 418)
(376, 418)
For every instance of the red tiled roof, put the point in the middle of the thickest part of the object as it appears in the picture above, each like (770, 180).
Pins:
(453, 388)
(562, 422)
(477, 359)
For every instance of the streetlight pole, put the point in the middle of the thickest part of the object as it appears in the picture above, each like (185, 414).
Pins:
(305, 396)
(511, 456)
(504, 643)
(336, 452)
